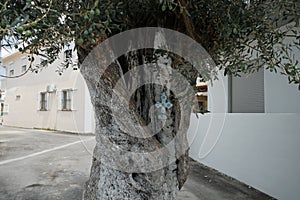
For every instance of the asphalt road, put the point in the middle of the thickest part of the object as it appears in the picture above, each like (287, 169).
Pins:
(47, 165)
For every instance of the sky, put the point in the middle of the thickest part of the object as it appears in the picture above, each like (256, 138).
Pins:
(5, 52)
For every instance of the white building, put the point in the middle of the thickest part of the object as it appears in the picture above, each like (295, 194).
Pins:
(252, 132)
(45, 100)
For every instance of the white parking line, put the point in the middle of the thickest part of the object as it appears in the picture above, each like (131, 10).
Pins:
(12, 132)
(12, 139)
(43, 152)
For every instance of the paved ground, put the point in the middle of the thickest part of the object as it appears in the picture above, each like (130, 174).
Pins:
(45, 165)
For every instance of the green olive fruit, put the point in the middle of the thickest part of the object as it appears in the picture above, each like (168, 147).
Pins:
(97, 11)
(28, 33)
(20, 29)
(34, 24)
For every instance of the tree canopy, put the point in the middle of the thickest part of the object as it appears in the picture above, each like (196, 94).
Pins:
(240, 35)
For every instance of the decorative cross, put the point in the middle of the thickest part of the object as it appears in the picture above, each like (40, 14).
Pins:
(163, 105)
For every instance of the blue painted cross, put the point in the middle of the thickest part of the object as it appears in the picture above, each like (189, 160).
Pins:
(163, 105)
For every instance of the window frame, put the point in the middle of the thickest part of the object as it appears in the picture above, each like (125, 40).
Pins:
(238, 88)
(11, 72)
(66, 100)
(43, 102)
(23, 68)
(23, 64)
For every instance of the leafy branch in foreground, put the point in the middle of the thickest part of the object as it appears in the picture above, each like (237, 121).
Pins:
(234, 32)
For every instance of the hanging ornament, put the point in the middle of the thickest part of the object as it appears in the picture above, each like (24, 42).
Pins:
(163, 105)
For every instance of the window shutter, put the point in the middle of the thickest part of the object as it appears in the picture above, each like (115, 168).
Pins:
(39, 101)
(248, 93)
(59, 100)
(47, 101)
(71, 93)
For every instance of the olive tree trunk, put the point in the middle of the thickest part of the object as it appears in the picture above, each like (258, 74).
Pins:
(139, 154)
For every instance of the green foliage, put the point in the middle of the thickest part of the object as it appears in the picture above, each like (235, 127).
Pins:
(241, 37)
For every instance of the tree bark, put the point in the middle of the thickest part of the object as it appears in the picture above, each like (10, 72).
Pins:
(137, 155)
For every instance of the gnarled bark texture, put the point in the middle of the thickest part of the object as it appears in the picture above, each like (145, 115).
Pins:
(137, 155)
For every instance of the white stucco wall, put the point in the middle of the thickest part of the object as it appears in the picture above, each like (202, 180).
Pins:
(280, 96)
(24, 112)
(261, 150)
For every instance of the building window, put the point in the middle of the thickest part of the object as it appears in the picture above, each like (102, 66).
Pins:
(11, 72)
(68, 54)
(24, 64)
(11, 69)
(66, 100)
(246, 93)
(18, 97)
(23, 68)
(43, 101)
